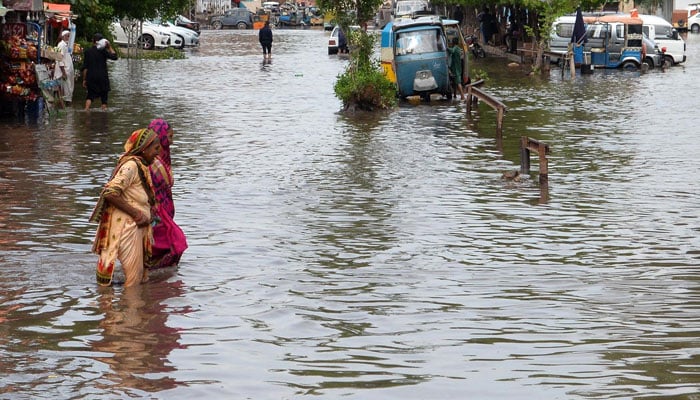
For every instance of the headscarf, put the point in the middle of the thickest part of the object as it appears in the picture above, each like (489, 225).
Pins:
(161, 127)
(64, 33)
(138, 141)
(161, 170)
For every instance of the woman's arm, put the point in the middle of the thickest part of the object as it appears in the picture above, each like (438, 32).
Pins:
(117, 201)
(138, 216)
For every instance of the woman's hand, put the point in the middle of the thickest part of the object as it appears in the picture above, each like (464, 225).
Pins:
(141, 220)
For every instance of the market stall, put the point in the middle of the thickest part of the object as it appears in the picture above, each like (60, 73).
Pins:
(27, 56)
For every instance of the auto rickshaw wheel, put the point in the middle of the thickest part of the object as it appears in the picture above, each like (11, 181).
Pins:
(629, 66)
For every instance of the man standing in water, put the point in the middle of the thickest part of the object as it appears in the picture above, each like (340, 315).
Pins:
(64, 68)
(455, 65)
(265, 38)
(95, 75)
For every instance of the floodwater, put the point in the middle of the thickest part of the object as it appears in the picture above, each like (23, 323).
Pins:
(374, 257)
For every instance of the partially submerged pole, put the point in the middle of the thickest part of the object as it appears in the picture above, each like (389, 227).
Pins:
(572, 62)
(473, 92)
(528, 145)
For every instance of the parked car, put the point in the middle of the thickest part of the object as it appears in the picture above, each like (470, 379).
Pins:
(152, 37)
(187, 37)
(653, 56)
(240, 18)
(694, 23)
(271, 6)
(184, 22)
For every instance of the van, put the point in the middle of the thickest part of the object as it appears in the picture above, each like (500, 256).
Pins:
(271, 6)
(405, 8)
(656, 28)
(665, 36)
(562, 31)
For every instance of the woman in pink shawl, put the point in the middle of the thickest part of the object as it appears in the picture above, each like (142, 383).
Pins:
(168, 239)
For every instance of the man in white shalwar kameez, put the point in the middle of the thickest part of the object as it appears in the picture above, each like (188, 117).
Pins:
(64, 68)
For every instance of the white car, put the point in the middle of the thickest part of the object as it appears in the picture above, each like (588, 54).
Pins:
(334, 40)
(187, 37)
(151, 37)
(694, 23)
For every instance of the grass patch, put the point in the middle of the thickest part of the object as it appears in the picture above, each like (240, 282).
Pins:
(166, 54)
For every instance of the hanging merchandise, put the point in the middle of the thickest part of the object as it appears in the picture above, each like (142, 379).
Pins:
(18, 76)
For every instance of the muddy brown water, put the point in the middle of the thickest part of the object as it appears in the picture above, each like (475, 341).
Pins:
(373, 257)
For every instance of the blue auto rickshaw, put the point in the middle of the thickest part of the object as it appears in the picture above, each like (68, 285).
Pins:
(420, 57)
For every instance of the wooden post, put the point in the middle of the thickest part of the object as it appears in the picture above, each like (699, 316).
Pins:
(528, 145)
(475, 93)
(572, 64)
(543, 150)
(524, 156)
(499, 128)
(469, 99)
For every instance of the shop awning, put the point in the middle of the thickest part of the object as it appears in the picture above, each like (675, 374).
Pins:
(56, 8)
(59, 11)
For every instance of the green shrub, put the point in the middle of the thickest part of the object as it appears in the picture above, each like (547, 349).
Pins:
(363, 85)
(366, 90)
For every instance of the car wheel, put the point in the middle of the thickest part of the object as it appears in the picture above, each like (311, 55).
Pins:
(182, 41)
(147, 42)
(668, 60)
(629, 66)
(242, 25)
(649, 63)
(217, 25)
(695, 28)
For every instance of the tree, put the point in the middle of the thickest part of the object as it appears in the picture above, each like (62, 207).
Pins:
(93, 17)
(363, 85)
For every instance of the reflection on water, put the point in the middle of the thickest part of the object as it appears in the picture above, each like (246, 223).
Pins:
(135, 339)
(371, 257)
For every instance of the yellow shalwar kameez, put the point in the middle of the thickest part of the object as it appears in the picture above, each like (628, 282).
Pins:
(118, 236)
(125, 241)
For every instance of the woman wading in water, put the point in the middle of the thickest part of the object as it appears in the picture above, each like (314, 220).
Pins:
(169, 241)
(124, 212)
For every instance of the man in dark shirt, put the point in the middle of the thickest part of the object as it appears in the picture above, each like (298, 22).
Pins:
(95, 75)
(265, 38)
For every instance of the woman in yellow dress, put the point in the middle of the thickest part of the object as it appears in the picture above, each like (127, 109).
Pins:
(124, 212)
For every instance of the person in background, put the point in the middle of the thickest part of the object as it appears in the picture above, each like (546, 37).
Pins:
(455, 57)
(458, 15)
(64, 68)
(342, 42)
(485, 23)
(95, 75)
(265, 38)
(512, 35)
(123, 212)
(169, 241)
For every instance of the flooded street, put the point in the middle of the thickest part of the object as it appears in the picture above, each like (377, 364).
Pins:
(371, 258)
